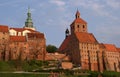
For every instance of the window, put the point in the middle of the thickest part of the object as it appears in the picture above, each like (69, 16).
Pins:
(24, 48)
(3, 32)
(83, 26)
(13, 33)
(77, 26)
(73, 27)
(3, 38)
(19, 33)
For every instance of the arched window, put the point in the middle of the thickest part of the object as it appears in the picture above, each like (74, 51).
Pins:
(83, 26)
(78, 26)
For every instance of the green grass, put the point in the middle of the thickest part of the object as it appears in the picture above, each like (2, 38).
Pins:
(110, 74)
(22, 75)
(17, 65)
(33, 75)
(5, 66)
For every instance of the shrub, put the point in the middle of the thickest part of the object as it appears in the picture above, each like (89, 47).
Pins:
(110, 74)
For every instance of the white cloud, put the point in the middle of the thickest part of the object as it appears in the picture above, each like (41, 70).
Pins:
(113, 3)
(58, 2)
(96, 6)
(10, 2)
(99, 8)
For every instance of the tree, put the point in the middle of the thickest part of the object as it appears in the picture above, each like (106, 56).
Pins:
(51, 48)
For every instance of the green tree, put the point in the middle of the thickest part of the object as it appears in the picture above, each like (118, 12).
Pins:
(51, 48)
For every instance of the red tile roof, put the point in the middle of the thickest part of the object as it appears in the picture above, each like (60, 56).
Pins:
(81, 36)
(77, 13)
(110, 47)
(86, 37)
(35, 35)
(64, 44)
(18, 39)
(118, 49)
(4, 28)
(79, 20)
(101, 45)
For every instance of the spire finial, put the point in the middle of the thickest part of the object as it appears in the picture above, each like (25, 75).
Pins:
(29, 23)
(77, 14)
(28, 9)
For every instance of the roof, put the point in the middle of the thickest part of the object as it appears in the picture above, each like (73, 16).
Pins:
(79, 20)
(18, 39)
(101, 45)
(118, 49)
(64, 43)
(22, 29)
(35, 35)
(86, 37)
(81, 36)
(77, 13)
(110, 47)
(3, 28)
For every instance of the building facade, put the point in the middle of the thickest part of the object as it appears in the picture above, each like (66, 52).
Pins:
(86, 51)
(22, 43)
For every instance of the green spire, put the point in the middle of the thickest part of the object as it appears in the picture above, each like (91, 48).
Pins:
(29, 22)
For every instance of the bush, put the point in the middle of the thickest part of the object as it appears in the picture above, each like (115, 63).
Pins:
(110, 74)
(94, 74)
(22, 75)
(16, 65)
(5, 66)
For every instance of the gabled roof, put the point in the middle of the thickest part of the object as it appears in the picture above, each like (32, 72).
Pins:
(18, 39)
(35, 35)
(64, 43)
(84, 37)
(3, 28)
(22, 29)
(110, 47)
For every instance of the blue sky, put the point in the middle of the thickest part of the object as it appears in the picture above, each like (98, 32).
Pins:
(52, 17)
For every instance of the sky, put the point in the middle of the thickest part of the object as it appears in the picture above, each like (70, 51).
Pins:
(53, 17)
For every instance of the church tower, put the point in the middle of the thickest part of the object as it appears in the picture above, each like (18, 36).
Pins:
(78, 25)
(29, 23)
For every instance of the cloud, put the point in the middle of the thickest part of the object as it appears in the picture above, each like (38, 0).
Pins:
(99, 8)
(10, 2)
(113, 3)
(58, 2)
(93, 5)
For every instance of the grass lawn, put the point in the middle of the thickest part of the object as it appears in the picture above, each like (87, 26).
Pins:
(22, 75)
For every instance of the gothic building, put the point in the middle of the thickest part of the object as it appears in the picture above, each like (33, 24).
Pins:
(79, 46)
(85, 51)
(22, 43)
